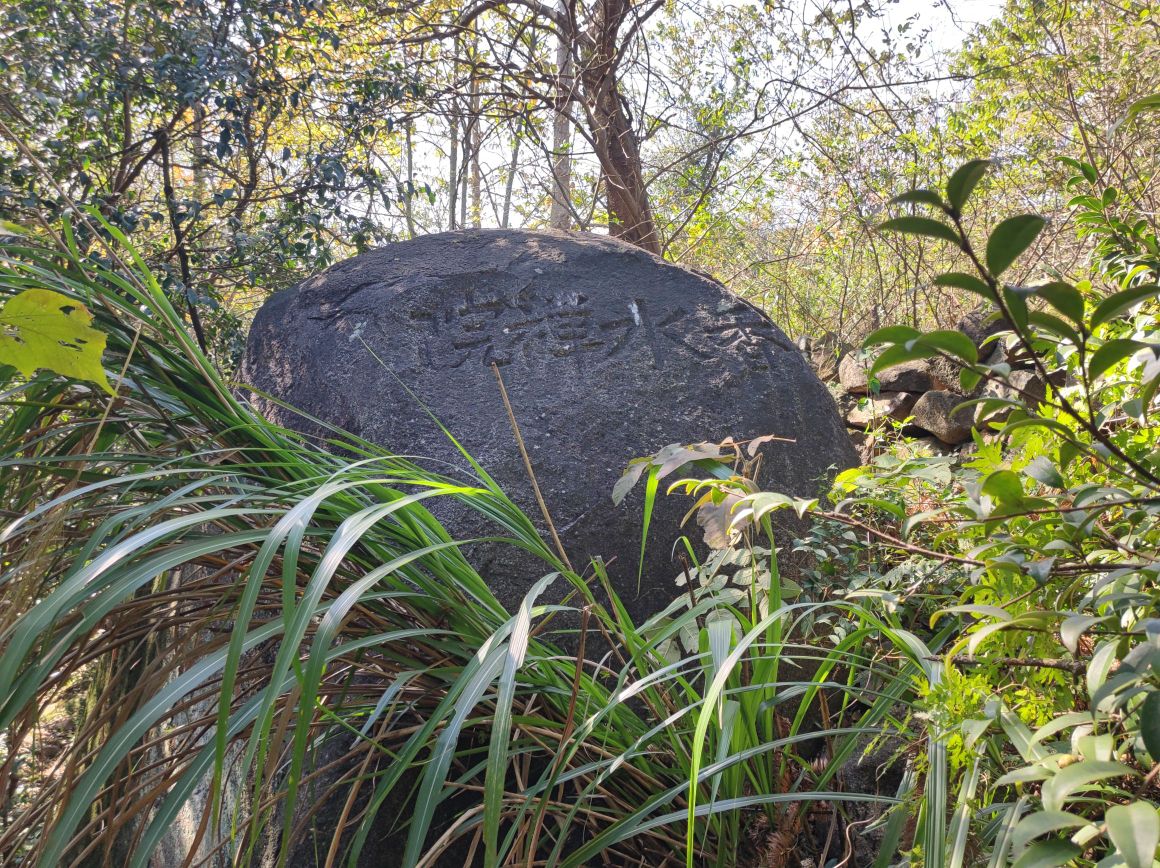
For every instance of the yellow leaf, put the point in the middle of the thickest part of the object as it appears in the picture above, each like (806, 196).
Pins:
(40, 328)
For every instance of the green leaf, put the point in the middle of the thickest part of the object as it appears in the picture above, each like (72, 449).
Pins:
(1043, 470)
(1135, 830)
(1078, 778)
(919, 197)
(40, 328)
(900, 353)
(1048, 854)
(1115, 305)
(968, 282)
(1073, 628)
(1147, 104)
(628, 480)
(1150, 724)
(1017, 304)
(1034, 825)
(921, 226)
(1010, 238)
(1053, 325)
(963, 182)
(952, 342)
(1064, 297)
(968, 379)
(1085, 169)
(1004, 486)
(891, 335)
(1111, 353)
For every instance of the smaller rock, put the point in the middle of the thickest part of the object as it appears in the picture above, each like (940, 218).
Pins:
(824, 355)
(1026, 387)
(863, 442)
(934, 412)
(944, 373)
(854, 375)
(980, 324)
(888, 405)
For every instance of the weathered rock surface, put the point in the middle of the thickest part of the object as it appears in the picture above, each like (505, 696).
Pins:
(608, 354)
(888, 405)
(980, 324)
(1025, 387)
(824, 355)
(944, 373)
(934, 412)
(854, 375)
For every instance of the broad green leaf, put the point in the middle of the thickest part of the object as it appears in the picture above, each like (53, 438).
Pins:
(1115, 305)
(630, 478)
(968, 379)
(1150, 724)
(919, 197)
(1017, 305)
(900, 353)
(1010, 238)
(891, 335)
(40, 328)
(953, 342)
(1043, 822)
(921, 226)
(1053, 325)
(1048, 854)
(1147, 104)
(1135, 830)
(1024, 775)
(1086, 169)
(1112, 352)
(963, 182)
(968, 282)
(1043, 470)
(1074, 627)
(1064, 297)
(1078, 778)
(1003, 485)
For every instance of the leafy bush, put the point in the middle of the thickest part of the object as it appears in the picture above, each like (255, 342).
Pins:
(1055, 518)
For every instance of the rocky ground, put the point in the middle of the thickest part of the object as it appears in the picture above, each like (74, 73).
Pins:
(918, 399)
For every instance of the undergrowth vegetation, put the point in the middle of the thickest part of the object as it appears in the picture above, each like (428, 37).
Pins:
(254, 624)
(243, 629)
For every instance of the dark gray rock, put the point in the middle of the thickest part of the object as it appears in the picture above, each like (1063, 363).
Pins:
(944, 373)
(935, 412)
(980, 324)
(1025, 387)
(854, 375)
(608, 354)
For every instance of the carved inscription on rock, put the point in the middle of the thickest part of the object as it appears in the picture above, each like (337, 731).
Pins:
(503, 326)
(486, 326)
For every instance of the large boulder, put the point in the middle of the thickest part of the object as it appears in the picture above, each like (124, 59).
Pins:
(608, 353)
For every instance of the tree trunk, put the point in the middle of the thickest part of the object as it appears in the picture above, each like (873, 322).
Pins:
(561, 217)
(453, 174)
(408, 205)
(630, 216)
(476, 126)
(505, 220)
